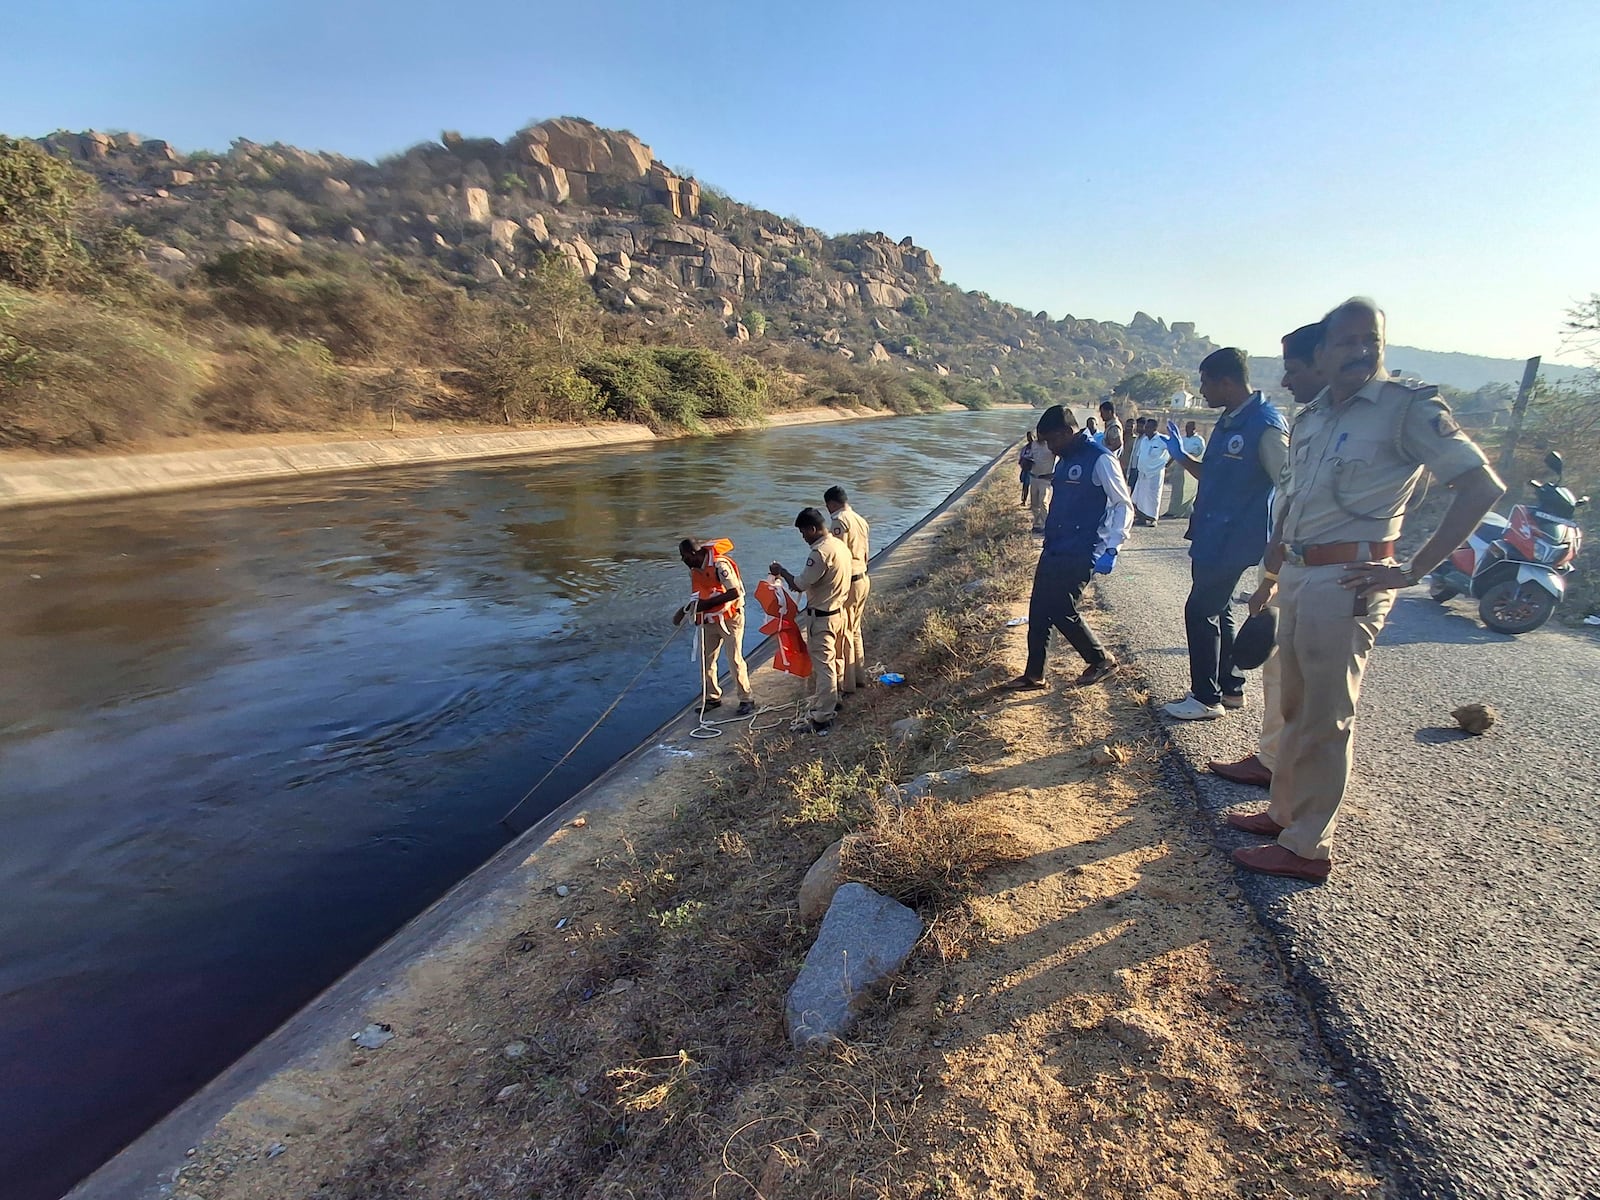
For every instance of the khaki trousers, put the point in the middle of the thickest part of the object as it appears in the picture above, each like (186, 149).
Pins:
(825, 638)
(1271, 710)
(712, 638)
(1039, 499)
(1322, 648)
(1271, 697)
(853, 674)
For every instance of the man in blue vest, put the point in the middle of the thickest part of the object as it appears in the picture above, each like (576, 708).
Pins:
(1090, 513)
(1245, 460)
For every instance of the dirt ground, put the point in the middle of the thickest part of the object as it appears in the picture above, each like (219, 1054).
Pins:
(1093, 1011)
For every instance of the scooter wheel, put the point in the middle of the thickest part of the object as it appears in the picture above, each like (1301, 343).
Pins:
(1514, 608)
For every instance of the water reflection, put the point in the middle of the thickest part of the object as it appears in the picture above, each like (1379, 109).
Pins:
(245, 734)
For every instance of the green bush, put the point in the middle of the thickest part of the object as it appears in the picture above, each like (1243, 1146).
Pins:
(674, 386)
(755, 321)
(915, 306)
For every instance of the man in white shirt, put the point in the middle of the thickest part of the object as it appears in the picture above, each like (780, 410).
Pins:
(1150, 460)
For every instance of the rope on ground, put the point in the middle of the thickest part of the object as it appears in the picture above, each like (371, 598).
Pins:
(610, 708)
(704, 729)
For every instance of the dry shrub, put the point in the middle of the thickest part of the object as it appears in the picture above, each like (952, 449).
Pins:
(263, 383)
(928, 853)
(74, 373)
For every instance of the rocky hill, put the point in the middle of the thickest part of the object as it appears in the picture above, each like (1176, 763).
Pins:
(656, 247)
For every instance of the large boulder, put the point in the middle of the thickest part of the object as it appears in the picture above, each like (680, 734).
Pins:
(475, 205)
(577, 145)
(503, 234)
(864, 940)
(884, 295)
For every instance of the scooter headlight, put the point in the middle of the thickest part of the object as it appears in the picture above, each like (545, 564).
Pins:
(1547, 551)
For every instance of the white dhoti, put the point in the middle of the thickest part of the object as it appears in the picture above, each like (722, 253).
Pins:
(1147, 492)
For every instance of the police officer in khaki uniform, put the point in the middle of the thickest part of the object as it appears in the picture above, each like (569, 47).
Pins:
(1357, 454)
(825, 580)
(852, 529)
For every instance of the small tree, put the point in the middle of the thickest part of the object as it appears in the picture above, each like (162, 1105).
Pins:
(561, 306)
(42, 204)
(755, 321)
(1151, 389)
(915, 306)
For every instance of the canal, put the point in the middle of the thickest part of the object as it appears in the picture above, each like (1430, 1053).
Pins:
(246, 734)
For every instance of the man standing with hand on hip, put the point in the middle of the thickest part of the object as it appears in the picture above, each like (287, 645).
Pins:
(1243, 464)
(1357, 457)
(1090, 512)
(852, 529)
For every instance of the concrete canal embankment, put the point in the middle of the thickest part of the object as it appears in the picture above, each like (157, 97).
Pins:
(34, 480)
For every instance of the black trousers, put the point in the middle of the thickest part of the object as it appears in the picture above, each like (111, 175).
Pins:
(1208, 625)
(1058, 584)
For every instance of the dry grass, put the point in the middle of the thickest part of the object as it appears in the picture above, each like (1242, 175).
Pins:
(929, 853)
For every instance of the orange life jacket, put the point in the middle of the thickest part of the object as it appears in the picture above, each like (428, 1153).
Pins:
(706, 584)
(791, 654)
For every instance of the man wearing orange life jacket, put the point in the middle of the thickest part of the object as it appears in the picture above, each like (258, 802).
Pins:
(718, 609)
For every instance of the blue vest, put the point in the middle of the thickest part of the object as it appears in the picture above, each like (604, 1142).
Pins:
(1229, 526)
(1077, 502)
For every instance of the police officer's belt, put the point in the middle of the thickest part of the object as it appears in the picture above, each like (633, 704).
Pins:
(822, 612)
(1330, 554)
(858, 578)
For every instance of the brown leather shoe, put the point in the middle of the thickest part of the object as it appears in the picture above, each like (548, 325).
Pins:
(1257, 823)
(1095, 672)
(1275, 860)
(1247, 770)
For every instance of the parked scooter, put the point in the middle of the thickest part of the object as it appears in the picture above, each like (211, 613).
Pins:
(1517, 566)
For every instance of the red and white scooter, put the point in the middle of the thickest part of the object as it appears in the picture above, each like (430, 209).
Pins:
(1517, 566)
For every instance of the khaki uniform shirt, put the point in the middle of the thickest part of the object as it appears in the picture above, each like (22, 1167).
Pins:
(1044, 462)
(826, 577)
(1353, 467)
(852, 528)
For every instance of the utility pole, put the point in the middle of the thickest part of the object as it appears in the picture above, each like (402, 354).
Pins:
(1508, 448)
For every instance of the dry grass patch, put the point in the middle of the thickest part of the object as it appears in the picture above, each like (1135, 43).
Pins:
(928, 854)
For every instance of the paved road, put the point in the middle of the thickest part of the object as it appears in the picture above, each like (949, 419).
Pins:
(1454, 959)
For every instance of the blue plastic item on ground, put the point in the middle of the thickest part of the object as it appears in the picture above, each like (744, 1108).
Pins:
(891, 678)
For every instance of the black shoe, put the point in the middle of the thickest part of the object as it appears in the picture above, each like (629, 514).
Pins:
(746, 707)
(822, 729)
(712, 704)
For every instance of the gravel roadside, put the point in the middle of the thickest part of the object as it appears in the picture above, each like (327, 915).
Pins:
(1452, 960)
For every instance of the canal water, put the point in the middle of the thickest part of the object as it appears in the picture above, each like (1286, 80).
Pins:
(246, 734)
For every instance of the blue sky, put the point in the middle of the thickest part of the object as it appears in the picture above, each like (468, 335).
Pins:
(1242, 165)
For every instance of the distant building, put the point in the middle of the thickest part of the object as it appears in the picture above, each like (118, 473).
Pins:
(1181, 399)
